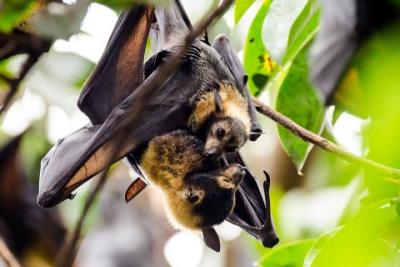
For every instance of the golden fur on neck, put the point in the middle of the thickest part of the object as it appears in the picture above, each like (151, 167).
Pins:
(233, 105)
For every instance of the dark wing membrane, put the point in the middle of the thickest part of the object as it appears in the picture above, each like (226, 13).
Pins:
(134, 189)
(142, 115)
(250, 212)
(119, 73)
(170, 28)
(229, 57)
(120, 69)
(211, 239)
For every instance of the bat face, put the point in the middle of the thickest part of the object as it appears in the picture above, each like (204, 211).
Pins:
(225, 134)
(207, 198)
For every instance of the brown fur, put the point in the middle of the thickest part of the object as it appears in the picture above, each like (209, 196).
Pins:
(233, 105)
(173, 164)
(192, 188)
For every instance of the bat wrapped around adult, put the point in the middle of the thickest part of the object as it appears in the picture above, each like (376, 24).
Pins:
(115, 100)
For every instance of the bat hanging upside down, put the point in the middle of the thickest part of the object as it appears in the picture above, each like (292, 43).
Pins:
(207, 96)
(198, 192)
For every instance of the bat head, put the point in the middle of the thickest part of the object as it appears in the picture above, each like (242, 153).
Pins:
(213, 197)
(207, 198)
(224, 134)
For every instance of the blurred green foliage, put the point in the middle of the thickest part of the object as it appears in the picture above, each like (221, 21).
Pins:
(13, 12)
(291, 254)
(368, 235)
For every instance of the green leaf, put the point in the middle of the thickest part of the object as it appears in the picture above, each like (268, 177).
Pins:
(278, 24)
(317, 246)
(370, 239)
(298, 100)
(257, 62)
(303, 30)
(292, 255)
(13, 12)
(240, 8)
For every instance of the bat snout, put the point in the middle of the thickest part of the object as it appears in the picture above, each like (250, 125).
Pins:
(212, 149)
(211, 153)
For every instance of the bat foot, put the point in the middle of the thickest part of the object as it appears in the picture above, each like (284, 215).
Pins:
(270, 241)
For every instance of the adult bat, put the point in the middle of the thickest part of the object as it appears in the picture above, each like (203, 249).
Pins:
(142, 114)
(78, 157)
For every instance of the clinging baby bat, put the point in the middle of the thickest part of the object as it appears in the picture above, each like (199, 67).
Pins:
(198, 193)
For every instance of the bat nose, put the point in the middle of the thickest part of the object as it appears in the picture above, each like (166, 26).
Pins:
(211, 153)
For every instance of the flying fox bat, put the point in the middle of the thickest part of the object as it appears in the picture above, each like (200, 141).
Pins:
(177, 103)
(198, 192)
(115, 100)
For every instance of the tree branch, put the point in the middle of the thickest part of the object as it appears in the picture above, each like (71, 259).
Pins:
(6, 255)
(323, 143)
(19, 43)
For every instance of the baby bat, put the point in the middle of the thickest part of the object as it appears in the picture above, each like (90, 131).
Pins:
(198, 193)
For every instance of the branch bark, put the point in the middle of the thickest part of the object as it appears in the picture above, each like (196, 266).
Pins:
(323, 143)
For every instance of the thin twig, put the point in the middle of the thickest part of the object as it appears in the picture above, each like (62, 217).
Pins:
(6, 255)
(20, 43)
(14, 83)
(323, 143)
(68, 252)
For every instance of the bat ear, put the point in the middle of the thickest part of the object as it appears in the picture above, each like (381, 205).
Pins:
(218, 102)
(211, 239)
(134, 189)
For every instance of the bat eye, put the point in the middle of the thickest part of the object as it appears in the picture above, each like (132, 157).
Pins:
(245, 78)
(220, 133)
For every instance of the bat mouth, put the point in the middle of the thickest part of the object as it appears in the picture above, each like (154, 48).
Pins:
(213, 152)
